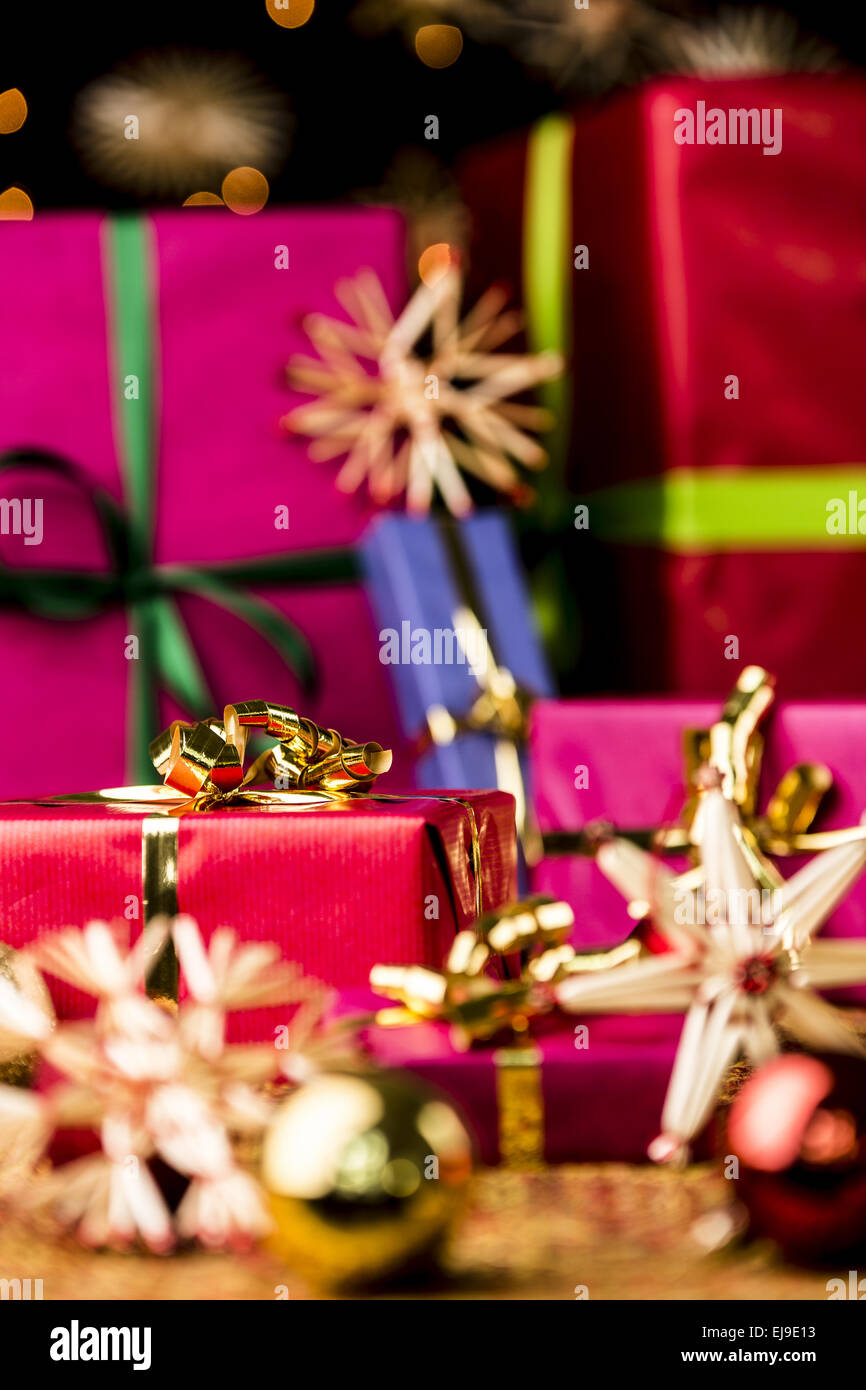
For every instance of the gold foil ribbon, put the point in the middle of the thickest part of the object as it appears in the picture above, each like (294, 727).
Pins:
(203, 770)
(501, 707)
(480, 1005)
(520, 1106)
(734, 747)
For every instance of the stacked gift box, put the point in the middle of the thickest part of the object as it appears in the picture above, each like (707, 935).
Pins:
(708, 297)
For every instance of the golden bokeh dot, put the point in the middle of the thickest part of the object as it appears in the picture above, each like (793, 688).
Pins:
(15, 206)
(439, 45)
(290, 14)
(203, 200)
(245, 190)
(13, 111)
(435, 261)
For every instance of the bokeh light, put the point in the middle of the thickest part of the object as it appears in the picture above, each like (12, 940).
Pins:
(439, 45)
(290, 14)
(203, 200)
(15, 206)
(245, 190)
(13, 111)
(435, 261)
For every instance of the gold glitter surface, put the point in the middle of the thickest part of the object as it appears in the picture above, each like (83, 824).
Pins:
(620, 1232)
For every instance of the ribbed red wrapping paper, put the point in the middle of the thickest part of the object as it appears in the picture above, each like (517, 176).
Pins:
(337, 888)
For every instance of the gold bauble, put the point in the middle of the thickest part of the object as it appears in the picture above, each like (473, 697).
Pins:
(17, 1068)
(365, 1174)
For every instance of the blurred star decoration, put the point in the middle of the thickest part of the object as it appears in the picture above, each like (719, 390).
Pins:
(158, 1085)
(590, 47)
(434, 399)
(199, 115)
(423, 189)
(747, 42)
(600, 44)
(739, 982)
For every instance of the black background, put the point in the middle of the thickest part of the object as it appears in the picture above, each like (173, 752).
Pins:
(356, 100)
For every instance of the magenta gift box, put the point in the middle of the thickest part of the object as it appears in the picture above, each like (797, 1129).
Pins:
(224, 321)
(601, 1101)
(632, 751)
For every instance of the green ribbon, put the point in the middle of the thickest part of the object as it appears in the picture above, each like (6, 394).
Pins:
(685, 510)
(166, 656)
(718, 509)
(547, 255)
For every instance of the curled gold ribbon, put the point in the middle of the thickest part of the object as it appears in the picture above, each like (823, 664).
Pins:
(205, 761)
(734, 747)
(477, 1003)
(480, 1006)
(203, 769)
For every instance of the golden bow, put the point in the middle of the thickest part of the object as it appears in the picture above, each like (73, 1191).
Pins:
(733, 746)
(465, 993)
(205, 761)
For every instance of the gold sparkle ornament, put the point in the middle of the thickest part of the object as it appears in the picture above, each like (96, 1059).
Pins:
(750, 42)
(366, 1174)
(417, 416)
(32, 1000)
(167, 123)
(13, 111)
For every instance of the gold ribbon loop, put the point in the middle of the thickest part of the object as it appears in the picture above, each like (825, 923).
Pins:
(476, 1003)
(733, 746)
(205, 761)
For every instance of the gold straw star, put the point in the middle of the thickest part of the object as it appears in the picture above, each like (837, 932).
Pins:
(416, 419)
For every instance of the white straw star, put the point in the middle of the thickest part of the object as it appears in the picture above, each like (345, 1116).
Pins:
(739, 972)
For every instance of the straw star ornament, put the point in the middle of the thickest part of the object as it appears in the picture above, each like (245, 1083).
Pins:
(742, 965)
(409, 418)
(153, 1085)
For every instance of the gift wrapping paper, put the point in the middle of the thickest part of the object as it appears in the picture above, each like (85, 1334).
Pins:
(598, 1096)
(217, 466)
(704, 262)
(338, 887)
(419, 574)
(627, 756)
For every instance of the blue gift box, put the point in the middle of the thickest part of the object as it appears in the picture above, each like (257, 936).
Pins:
(421, 576)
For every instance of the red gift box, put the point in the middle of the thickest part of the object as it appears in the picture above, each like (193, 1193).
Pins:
(338, 887)
(705, 262)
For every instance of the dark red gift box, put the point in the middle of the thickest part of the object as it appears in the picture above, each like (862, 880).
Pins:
(712, 504)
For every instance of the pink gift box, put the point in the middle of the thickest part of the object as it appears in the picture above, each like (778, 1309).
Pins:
(600, 1102)
(225, 321)
(632, 753)
(338, 888)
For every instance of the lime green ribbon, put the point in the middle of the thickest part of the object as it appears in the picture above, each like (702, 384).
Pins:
(682, 510)
(691, 510)
(166, 658)
(547, 256)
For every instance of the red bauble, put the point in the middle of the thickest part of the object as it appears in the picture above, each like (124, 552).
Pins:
(798, 1131)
